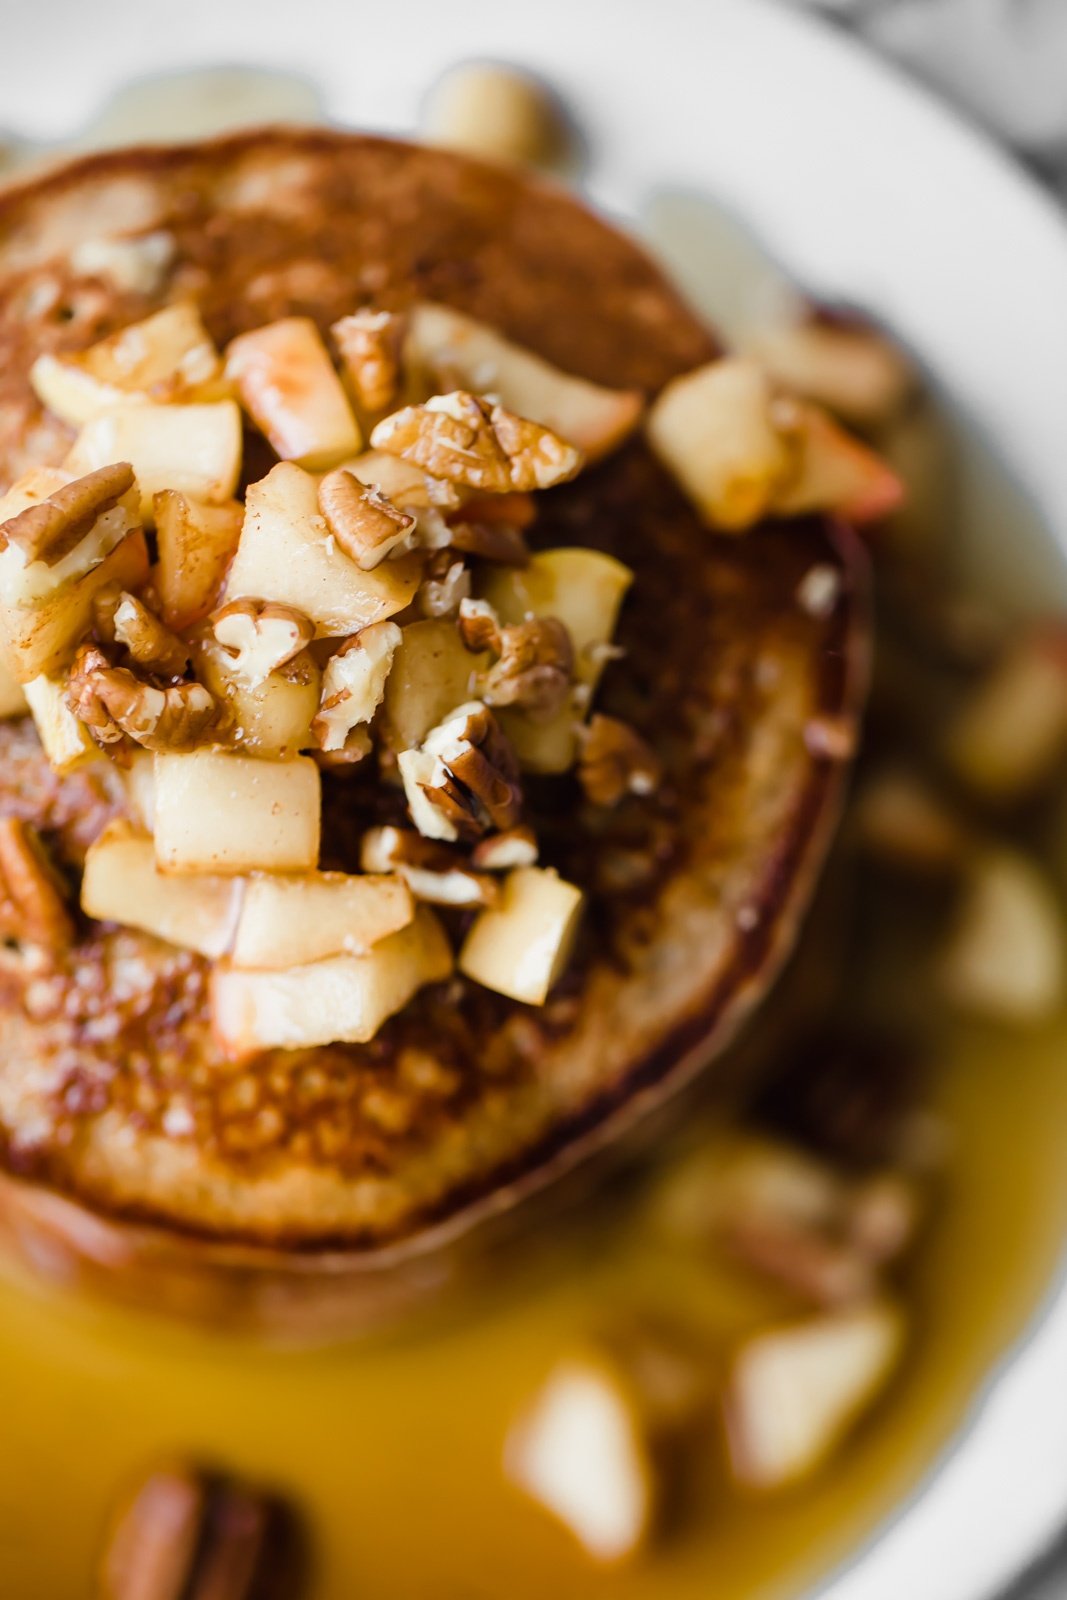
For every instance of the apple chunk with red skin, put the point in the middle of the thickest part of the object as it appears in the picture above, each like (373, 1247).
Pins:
(343, 999)
(290, 390)
(122, 883)
(224, 813)
(289, 920)
(458, 352)
(286, 554)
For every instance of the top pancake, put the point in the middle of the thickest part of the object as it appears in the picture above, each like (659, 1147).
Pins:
(109, 1088)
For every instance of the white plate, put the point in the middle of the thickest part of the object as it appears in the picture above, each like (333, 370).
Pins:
(867, 190)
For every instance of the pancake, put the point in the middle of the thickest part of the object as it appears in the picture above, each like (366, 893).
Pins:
(113, 1099)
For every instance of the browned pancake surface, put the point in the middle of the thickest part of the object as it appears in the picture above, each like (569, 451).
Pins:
(109, 1086)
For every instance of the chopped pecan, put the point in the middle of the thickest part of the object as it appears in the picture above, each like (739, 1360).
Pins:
(366, 525)
(353, 684)
(465, 779)
(615, 761)
(369, 344)
(194, 1535)
(50, 530)
(33, 907)
(446, 585)
(535, 668)
(261, 636)
(466, 440)
(113, 701)
(433, 872)
(479, 626)
(515, 847)
(121, 618)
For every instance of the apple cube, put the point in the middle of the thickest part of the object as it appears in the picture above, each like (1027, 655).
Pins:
(288, 921)
(225, 813)
(139, 781)
(40, 637)
(433, 672)
(520, 946)
(836, 473)
(457, 352)
(854, 371)
(13, 702)
(583, 1451)
(192, 449)
(122, 883)
(169, 356)
(343, 999)
(714, 431)
(272, 717)
(64, 739)
(794, 1393)
(196, 543)
(584, 590)
(1007, 957)
(287, 554)
(289, 388)
(1012, 733)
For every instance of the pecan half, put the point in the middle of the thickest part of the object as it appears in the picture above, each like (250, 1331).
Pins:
(367, 526)
(433, 872)
(33, 907)
(185, 1534)
(535, 668)
(49, 531)
(121, 618)
(261, 636)
(369, 344)
(468, 441)
(615, 761)
(479, 626)
(112, 701)
(465, 779)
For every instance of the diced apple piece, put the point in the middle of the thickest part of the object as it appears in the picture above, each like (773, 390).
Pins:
(433, 672)
(854, 371)
(521, 946)
(457, 352)
(290, 390)
(169, 356)
(27, 582)
(288, 921)
(122, 883)
(218, 812)
(13, 701)
(1012, 733)
(139, 781)
(836, 473)
(287, 554)
(39, 638)
(584, 589)
(342, 999)
(794, 1393)
(271, 718)
(582, 1452)
(192, 449)
(63, 737)
(714, 430)
(1007, 958)
(196, 543)
(29, 490)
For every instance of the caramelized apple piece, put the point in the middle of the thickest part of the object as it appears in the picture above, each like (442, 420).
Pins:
(218, 812)
(837, 473)
(1012, 733)
(196, 543)
(1007, 958)
(498, 113)
(795, 1392)
(13, 701)
(272, 718)
(64, 738)
(192, 449)
(169, 356)
(584, 590)
(432, 673)
(40, 637)
(344, 998)
(290, 390)
(456, 352)
(521, 946)
(122, 883)
(288, 921)
(286, 554)
(851, 370)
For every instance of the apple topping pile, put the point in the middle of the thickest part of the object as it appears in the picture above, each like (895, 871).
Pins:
(370, 602)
